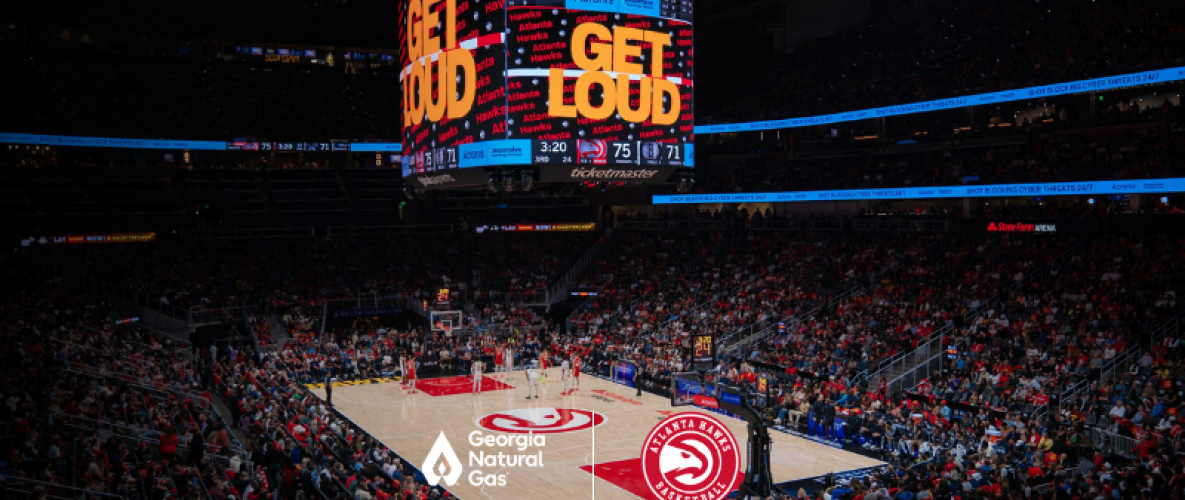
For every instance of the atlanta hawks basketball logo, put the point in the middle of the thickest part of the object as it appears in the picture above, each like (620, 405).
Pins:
(691, 455)
(541, 420)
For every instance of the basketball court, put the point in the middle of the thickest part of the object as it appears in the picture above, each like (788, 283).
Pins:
(598, 429)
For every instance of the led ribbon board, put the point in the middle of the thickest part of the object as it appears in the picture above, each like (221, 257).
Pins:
(1129, 186)
(1091, 85)
(181, 144)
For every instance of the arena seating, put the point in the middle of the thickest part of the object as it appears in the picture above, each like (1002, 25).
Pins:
(1049, 333)
(1068, 157)
(926, 49)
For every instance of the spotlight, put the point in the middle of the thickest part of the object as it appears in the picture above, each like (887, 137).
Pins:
(491, 184)
(686, 180)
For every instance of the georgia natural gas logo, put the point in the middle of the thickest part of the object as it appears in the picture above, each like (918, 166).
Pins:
(522, 430)
(691, 455)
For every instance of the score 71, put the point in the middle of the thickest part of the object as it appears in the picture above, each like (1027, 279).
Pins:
(672, 151)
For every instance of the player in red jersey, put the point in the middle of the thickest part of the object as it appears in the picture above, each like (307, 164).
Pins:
(411, 374)
(498, 364)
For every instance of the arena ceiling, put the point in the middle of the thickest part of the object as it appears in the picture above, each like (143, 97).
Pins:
(359, 23)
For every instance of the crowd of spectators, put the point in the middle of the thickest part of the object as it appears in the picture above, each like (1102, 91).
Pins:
(1056, 158)
(93, 405)
(985, 422)
(1032, 328)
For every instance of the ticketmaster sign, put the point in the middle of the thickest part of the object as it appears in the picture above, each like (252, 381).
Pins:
(1175, 185)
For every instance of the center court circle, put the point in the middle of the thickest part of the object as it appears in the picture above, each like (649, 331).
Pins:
(691, 455)
(541, 420)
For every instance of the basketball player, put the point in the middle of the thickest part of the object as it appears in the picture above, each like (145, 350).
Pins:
(411, 375)
(532, 383)
(499, 364)
(509, 358)
(478, 368)
(565, 376)
(576, 374)
(543, 368)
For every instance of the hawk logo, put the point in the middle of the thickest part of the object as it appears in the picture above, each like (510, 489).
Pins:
(541, 420)
(691, 455)
(442, 463)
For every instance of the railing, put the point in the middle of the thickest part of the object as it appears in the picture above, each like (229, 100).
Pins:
(163, 392)
(901, 361)
(247, 233)
(754, 335)
(369, 300)
(1111, 443)
(1118, 365)
(911, 377)
(569, 321)
(201, 315)
(1172, 325)
(389, 230)
(539, 297)
(665, 225)
(559, 291)
(967, 317)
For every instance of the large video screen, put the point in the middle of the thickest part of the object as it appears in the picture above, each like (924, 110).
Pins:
(453, 55)
(586, 89)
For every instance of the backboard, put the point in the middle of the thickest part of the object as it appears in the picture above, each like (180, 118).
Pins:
(446, 321)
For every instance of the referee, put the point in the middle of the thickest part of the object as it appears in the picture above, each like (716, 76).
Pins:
(638, 378)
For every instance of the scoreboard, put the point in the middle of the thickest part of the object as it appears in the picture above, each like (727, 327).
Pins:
(582, 89)
(287, 147)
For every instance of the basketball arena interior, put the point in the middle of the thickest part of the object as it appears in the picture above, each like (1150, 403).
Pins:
(582, 249)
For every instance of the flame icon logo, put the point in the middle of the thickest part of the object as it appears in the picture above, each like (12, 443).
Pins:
(442, 463)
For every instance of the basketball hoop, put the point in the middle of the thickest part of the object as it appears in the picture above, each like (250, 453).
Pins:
(448, 331)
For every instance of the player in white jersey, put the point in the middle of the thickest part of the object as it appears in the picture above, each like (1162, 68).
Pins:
(478, 368)
(508, 358)
(565, 375)
(576, 374)
(532, 383)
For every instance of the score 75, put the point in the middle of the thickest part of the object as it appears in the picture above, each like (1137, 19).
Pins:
(622, 150)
